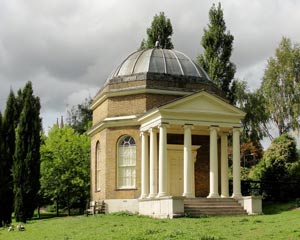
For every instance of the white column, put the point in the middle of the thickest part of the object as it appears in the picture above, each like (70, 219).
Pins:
(213, 163)
(187, 163)
(162, 161)
(236, 163)
(153, 163)
(144, 166)
(224, 165)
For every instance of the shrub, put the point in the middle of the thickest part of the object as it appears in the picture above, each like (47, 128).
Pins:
(279, 170)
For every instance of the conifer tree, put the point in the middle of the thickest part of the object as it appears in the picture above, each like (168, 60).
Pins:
(161, 30)
(26, 166)
(8, 136)
(1, 171)
(217, 44)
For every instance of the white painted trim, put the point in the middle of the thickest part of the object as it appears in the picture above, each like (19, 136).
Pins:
(112, 123)
(208, 95)
(120, 118)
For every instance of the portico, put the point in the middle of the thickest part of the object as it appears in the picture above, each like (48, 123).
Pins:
(156, 185)
(199, 114)
(187, 117)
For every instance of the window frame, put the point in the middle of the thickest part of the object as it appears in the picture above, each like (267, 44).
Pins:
(128, 168)
(98, 167)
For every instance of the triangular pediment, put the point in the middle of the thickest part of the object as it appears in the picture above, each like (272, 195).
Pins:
(202, 102)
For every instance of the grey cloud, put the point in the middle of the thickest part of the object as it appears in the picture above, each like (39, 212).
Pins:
(68, 48)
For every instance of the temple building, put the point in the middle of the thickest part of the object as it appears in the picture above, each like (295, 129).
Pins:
(159, 140)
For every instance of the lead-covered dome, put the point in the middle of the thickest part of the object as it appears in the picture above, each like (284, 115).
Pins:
(163, 61)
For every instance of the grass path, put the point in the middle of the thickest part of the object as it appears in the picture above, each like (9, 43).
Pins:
(283, 225)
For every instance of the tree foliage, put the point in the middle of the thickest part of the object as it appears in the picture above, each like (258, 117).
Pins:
(217, 44)
(80, 116)
(65, 167)
(2, 185)
(26, 165)
(279, 166)
(281, 86)
(255, 123)
(8, 148)
(161, 30)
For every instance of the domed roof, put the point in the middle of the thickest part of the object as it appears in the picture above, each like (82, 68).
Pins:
(164, 61)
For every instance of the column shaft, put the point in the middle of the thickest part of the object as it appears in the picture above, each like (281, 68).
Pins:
(187, 162)
(144, 166)
(224, 166)
(213, 163)
(162, 161)
(153, 163)
(236, 163)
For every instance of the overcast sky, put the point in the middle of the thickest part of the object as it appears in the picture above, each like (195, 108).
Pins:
(68, 48)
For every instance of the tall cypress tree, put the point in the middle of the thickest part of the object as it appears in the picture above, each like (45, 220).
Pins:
(26, 166)
(161, 30)
(8, 136)
(217, 44)
(2, 187)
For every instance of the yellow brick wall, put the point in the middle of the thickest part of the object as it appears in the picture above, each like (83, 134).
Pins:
(101, 137)
(126, 105)
(112, 138)
(100, 112)
(155, 100)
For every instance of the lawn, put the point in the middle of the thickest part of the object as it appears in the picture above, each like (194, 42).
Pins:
(280, 222)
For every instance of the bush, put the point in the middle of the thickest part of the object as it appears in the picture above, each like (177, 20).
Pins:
(279, 170)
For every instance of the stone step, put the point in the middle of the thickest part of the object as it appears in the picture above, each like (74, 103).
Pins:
(212, 203)
(210, 200)
(210, 213)
(212, 206)
(214, 212)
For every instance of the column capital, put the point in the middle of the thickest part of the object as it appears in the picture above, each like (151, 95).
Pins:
(214, 127)
(237, 129)
(163, 124)
(153, 130)
(224, 133)
(143, 133)
(188, 126)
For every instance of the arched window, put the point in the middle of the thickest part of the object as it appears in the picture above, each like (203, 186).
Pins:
(126, 162)
(98, 168)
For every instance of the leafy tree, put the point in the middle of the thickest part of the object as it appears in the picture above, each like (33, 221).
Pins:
(65, 167)
(279, 166)
(8, 144)
(161, 30)
(26, 165)
(217, 44)
(254, 105)
(281, 86)
(80, 116)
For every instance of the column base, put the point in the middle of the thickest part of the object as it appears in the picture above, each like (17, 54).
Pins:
(144, 196)
(152, 195)
(237, 195)
(188, 195)
(213, 195)
(224, 196)
(163, 194)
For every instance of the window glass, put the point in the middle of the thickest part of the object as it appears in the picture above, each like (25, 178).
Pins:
(126, 162)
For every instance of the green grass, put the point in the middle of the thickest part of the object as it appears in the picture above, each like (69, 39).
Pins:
(280, 223)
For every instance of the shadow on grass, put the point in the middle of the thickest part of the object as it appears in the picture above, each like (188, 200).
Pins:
(270, 208)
